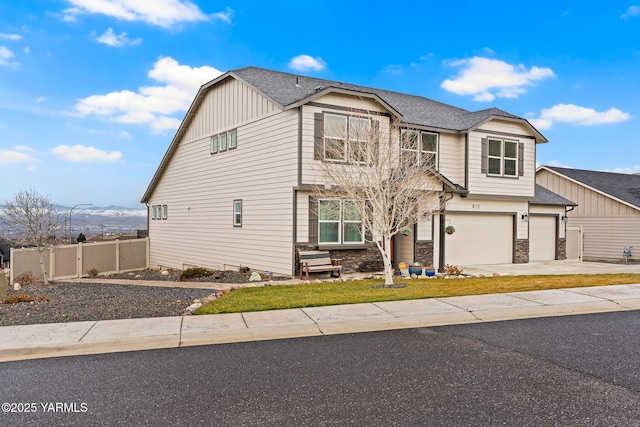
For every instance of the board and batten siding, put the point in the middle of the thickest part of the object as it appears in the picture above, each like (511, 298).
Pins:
(480, 183)
(590, 203)
(230, 103)
(199, 190)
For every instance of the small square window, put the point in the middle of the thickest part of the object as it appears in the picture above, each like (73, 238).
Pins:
(237, 213)
(214, 144)
(233, 136)
(223, 142)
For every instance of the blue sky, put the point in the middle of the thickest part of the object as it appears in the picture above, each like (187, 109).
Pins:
(92, 91)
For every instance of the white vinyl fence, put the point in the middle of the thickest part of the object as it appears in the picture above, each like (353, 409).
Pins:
(74, 261)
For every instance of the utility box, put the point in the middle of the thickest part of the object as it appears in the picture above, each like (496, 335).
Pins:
(3, 286)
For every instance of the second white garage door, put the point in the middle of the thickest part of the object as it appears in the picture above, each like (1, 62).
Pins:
(479, 239)
(542, 238)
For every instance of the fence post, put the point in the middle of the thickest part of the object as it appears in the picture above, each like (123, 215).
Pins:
(118, 255)
(148, 250)
(52, 263)
(12, 255)
(79, 258)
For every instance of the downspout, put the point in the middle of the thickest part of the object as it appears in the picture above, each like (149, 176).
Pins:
(441, 233)
(566, 211)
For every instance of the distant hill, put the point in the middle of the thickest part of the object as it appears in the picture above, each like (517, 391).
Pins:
(94, 220)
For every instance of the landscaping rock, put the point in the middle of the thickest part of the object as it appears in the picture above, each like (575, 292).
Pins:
(255, 277)
(17, 287)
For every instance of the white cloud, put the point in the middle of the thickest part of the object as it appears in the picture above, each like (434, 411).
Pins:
(556, 163)
(629, 169)
(5, 56)
(19, 153)
(163, 13)
(80, 153)
(40, 99)
(10, 36)
(224, 16)
(486, 78)
(112, 39)
(152, 105)
(307, 63)
(632, 12)
(580, 116)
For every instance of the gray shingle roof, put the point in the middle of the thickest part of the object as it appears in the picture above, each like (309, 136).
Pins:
(286, 89)
(621, 186)
(548, 197)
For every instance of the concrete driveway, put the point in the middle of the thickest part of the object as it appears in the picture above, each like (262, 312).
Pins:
(552, 267)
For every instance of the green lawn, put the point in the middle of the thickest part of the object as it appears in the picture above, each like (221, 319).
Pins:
(352, 292)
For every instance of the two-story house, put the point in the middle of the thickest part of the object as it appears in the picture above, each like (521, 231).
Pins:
(235, 186)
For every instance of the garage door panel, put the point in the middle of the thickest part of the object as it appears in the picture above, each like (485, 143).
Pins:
(479, 239)
(542, 238)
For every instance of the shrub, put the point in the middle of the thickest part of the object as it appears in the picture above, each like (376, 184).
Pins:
(452, 270)
(194, 273)
(81, 238)
(42, 298)
(26, 278)
(17, 298)
(93, 272)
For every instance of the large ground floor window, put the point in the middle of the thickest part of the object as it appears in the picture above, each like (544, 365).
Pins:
(339, 222)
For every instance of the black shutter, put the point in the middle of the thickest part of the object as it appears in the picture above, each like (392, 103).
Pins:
(485, 152)
(318, 133)
(313, 220)
(520, 159)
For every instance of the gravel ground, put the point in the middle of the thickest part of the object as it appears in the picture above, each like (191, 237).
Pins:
(75, 302)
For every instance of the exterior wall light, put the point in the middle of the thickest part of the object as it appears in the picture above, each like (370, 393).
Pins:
(525, 217)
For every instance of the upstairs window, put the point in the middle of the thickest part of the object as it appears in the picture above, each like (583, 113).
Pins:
(225, 141)
(345, 138)
(420, 148)
(502, 157)
(159, 212)
(335, 132)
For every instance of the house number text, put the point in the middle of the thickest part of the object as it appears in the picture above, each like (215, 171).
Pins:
(475, 206)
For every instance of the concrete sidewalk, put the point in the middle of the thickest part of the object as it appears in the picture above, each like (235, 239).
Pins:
(65, 339)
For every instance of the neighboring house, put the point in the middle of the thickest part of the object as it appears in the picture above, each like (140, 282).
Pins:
(608, 211)
(235, 186)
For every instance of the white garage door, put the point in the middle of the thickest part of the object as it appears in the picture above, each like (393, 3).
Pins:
(479, 239)
(542, 238)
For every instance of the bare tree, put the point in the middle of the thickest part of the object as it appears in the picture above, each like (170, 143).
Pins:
(375, 181)
(32, 217)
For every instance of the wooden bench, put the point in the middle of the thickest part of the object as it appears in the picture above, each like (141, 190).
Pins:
(315, 261)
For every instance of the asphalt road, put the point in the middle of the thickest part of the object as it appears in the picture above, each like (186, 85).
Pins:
(569, 371)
